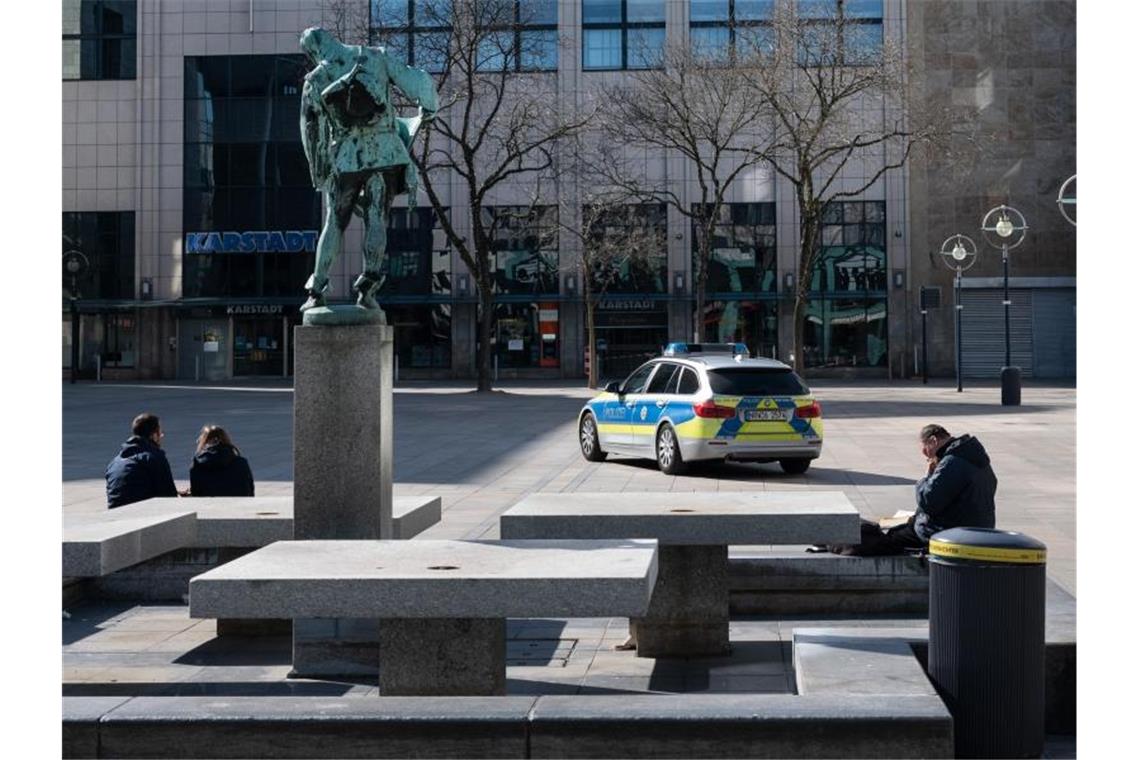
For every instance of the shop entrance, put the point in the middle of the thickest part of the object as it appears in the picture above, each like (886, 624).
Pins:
(629, 333)
(203, 349)
(259, 346)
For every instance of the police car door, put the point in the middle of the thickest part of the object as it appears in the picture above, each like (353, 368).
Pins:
(651, 405)
(624, 405)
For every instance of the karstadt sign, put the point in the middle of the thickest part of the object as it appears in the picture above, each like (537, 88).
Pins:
(263, 241)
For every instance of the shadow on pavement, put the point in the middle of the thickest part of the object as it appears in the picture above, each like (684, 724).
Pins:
(931, 409)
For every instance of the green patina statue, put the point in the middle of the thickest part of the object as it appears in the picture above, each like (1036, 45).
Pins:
(357, 149)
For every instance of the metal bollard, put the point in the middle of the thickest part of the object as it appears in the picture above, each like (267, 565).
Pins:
(987, 639)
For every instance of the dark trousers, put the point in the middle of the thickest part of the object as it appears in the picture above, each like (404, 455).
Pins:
(876, 542)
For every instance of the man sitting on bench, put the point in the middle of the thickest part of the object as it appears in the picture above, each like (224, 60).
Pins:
(957, 491)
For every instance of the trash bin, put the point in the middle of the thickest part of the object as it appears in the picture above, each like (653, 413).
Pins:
(987, 639)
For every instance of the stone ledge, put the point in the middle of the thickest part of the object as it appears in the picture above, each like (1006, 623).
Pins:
(100, 544)
(715, 725)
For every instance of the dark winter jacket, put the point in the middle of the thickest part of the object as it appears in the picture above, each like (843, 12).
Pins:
(140, 471)
(960, 491)
(218, 470)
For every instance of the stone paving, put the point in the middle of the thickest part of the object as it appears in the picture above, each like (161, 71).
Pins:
(482, 453)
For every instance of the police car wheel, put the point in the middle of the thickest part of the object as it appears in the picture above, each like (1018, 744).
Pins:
(795, 466)
(588, 438)
(669, 451)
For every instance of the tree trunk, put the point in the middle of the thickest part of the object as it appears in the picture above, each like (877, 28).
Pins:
(486, 323)
(591, 345)
(809, 244)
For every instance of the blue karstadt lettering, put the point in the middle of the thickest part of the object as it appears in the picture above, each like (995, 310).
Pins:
(255, 241)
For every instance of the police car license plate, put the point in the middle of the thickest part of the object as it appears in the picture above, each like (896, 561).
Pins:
(766, 415)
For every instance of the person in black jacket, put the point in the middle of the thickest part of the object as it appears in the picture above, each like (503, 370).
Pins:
(140, 470)
(957, 491)
(218, 468)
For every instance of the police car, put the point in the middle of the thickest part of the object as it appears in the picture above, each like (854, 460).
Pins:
(705, 401)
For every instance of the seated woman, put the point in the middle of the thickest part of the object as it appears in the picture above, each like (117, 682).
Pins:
(218, 468)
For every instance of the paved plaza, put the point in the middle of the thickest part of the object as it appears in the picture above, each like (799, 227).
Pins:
(483, 453)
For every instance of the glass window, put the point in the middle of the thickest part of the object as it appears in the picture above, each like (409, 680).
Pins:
(526, 334)
(423, 334)
(107, 239)
(522, 36)
(749, 381)
(635, 383)
(742, 258)
(753, 323)
(720, 30)
(634, 274)
(417, 260)
(99, 39)
(856, 40)
(622, 34)
(688, 382)
(644, 48)
(846, 317)
(662, 378)
(245, 171)
(526, 248)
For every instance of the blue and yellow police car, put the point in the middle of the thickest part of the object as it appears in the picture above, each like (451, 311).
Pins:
(701, 401)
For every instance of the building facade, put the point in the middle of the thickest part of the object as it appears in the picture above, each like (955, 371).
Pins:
(187, 193)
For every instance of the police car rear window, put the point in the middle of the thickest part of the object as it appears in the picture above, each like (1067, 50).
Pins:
(751, 381)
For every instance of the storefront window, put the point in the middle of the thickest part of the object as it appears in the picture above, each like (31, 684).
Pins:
(423, 335)
(119, 340)
(846, 317)
(526, 248)
(417, 260)
(526, 335)
(259, 345)
(753, 323)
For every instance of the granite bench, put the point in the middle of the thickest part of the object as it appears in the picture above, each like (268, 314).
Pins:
(96, 544)
(688, 615)
(442, 605)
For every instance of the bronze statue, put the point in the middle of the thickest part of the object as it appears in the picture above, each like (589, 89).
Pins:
(357, 148)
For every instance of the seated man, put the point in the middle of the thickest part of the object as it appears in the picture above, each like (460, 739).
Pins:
(140, 470)
(957, 491)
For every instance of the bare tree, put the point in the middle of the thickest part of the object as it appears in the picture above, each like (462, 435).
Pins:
(497, 129)
(693, 107)
(613, 237)
(834, 95)
(348, 20)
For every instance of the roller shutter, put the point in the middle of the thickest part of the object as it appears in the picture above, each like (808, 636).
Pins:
(983, 332)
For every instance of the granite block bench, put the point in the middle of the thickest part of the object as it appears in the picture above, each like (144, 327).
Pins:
(442, 605)
(688, 615)
(97, 544)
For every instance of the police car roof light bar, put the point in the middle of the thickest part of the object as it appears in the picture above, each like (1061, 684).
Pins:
(687, 349)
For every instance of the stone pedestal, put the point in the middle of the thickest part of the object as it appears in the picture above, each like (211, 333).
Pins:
(342, 471)
(688, 612)
(443, 657)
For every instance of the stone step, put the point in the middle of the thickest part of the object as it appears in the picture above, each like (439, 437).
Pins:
(99, 544)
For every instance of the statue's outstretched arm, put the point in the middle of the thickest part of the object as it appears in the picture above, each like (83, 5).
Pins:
(416, 84)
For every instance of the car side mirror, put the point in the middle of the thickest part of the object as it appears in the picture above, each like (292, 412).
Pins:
(614, 386)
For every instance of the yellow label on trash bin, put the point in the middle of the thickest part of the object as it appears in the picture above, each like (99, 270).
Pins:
(987, 553)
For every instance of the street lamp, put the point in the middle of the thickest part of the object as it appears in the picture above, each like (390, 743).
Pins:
(958, 253)
(1004, 227)
(1067, 196)
(74, 264)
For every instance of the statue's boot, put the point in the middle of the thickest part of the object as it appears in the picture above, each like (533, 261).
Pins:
(366, 286)
(316, 294)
